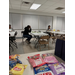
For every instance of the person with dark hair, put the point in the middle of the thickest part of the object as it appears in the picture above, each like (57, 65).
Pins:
(27, 30)
(10, 28)
(48, 29)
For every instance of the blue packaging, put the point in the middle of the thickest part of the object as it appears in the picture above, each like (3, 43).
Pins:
(43, 70)
(12, 63)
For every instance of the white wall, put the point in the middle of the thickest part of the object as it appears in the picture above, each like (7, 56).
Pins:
(54, 21)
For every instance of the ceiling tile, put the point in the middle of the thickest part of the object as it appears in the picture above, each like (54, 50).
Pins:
(49, 3)
(42, 7)
(18, 2)
(28, 0)
(40, 1)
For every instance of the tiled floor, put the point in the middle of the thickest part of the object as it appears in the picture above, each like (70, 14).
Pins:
(28, 48)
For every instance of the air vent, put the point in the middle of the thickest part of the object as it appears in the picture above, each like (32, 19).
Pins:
(25, 2)
(59, 8)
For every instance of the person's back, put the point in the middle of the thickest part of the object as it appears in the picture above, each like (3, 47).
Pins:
(27, 30)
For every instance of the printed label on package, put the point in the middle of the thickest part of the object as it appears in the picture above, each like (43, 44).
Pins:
(43, 70)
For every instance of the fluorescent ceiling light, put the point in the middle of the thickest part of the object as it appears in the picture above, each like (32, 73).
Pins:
(35, 6)
(63, 12)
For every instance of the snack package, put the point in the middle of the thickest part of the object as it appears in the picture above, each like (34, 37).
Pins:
(18, 69)
(43, 70)
(46, 54)
(13, 56)
(50, 59)
(12, 63)
(63, 65)
(36, 60)
(57, 69)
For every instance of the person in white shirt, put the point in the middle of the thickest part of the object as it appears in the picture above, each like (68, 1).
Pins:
(48, 29)
(10, 29)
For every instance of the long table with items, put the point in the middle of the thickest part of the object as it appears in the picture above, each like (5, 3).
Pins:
(29, 70)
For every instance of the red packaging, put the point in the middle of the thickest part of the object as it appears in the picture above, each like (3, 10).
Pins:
(36, 60)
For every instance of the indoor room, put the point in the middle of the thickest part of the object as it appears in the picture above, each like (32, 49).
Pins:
(37, 29)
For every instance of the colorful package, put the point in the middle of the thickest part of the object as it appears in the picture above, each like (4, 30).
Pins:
(13, 56)
(36, 60)
(63, 65)
(50, 59)
(43, 70)
(18, 69)
(57, 69)
(12, 63)
(46, 54)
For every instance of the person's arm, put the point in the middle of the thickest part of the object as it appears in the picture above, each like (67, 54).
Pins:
(29, 29)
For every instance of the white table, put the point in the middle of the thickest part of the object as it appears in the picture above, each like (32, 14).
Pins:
(39, 34)
(61, 33)
(29, 70)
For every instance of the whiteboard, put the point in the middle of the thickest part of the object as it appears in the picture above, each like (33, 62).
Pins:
(42, 22)
(31, 20)
(17, 21)
(10, 19)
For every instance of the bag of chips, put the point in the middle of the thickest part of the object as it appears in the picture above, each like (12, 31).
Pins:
(14, 56)
(36, 60)
(50, 59)
(43, 70)
(57, 69)
(12, 63)
(18, 69)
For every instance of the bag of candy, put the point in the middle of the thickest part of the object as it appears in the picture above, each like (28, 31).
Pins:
(63, 65)
(18, 69)
(43, 70)
(57, 69)
(36, 60)
(50, 59)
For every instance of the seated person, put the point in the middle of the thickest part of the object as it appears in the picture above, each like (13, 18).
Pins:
(48, 29)
(26, 32)
(10, 29)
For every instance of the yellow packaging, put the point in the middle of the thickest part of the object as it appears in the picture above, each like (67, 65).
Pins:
(18, 69)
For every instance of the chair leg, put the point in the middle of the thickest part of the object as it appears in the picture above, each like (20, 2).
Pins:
(48, 46)
(39, 46)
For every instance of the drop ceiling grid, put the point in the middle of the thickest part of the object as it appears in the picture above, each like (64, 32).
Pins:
(46, 5)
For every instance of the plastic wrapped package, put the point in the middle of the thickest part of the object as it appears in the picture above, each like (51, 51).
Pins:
(57, 69)
(43, 70)
(50, 59)
(36, 60)
(18, 69)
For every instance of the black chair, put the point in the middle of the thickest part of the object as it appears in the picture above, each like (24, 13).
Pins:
(22, 32)
(12, 40)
